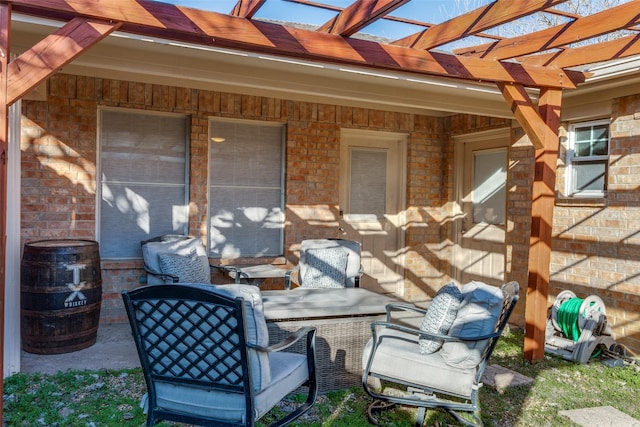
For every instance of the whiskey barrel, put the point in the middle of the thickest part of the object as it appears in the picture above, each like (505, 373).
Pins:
(60, 295)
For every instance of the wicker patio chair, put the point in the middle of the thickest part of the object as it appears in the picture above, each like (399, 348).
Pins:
(205, 355)
(326, 263)
(438, 370)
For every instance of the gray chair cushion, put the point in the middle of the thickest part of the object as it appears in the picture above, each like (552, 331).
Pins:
(325, 268)
(151, 250)
(440, 316)
(352, 247)
(478, 315)
(400, 359)
(188, 268)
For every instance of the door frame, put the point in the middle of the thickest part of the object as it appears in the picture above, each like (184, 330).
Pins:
(458, 187)
(402, 140)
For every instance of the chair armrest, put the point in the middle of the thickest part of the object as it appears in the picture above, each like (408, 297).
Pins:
(227, 269)
(378, 325)
(403, 307)
(288, 277)
(163, 276)
(295, 336)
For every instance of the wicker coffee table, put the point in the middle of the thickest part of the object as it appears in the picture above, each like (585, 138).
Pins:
(342, 318)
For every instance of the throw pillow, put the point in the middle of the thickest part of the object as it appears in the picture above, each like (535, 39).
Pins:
(188, 268)
(477, 316)
(439, 317)
(325, 268)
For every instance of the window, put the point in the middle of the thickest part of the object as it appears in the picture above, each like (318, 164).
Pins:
(143, 172)
(246, 189)
(588, 158)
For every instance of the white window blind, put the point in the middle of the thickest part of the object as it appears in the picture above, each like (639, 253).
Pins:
(246, 189)
(143, 179)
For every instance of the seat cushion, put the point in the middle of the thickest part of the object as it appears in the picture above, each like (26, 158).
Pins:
(188, 268)
(151, 250)
(289, 372)
(440, 316)
(325, 268)
(478, 315)
(397, 357)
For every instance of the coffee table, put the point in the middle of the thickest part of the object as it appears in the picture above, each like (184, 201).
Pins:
(342, 318)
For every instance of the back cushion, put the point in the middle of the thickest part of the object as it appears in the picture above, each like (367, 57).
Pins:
(478, 315)
(325, 268)
(439, 317)
(151, 250)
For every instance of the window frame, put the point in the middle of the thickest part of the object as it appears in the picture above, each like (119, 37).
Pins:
(572, 159)
(282, 186)
(99, 169)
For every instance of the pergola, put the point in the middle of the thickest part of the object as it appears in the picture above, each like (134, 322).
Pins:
(548, 60)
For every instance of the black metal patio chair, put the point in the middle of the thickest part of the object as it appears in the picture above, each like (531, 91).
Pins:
(205, 356)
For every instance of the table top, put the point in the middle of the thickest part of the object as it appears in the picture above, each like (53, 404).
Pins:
(310, 303)
(259, 271)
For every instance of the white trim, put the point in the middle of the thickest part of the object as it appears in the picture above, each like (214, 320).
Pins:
(12, 280)
(569, 190)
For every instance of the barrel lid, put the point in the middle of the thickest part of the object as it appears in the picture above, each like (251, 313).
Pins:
(61, 243)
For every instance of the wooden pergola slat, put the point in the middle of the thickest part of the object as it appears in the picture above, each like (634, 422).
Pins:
(186, 24)
(358, 15)
(605, 51)
(623, 16)
(473, 22)
(5, 54)
(246, 8)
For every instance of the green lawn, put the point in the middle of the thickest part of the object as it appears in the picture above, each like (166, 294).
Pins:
(110, 398)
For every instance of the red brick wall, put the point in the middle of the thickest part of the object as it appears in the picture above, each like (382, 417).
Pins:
(595, 246)
(59, 158)
(596, 242)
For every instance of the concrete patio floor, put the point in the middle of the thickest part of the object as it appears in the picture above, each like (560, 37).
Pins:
(114, 349)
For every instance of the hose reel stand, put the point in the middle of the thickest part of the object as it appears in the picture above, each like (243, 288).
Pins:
(577, 328)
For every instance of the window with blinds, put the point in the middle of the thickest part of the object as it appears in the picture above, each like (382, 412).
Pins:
(246, 188)
(143, 176)
(588, 158)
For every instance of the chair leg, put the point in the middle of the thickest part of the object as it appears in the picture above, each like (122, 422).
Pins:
(476, 417)
(420, 416)
(376, 407)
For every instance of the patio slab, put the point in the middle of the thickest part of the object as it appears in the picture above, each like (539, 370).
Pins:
(600, 416)
(501, 378)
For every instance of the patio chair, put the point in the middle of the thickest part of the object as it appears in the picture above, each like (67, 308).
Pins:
(174, 258)
(441, 363)
(205, 356)
(326, 263)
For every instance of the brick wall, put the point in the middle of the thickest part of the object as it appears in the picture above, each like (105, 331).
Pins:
(59, 157)
(596, 242)
(595, 249)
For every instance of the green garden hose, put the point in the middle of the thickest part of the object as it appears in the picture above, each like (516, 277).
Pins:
(568, 314)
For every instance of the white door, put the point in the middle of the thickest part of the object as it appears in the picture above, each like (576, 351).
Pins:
(479, 235)
(372, 200)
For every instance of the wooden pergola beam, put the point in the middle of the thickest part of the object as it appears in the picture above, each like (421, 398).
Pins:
(473, 22)
(623, 16)
(358, 15)
(195, 26)
(541, 126)
(48, 56)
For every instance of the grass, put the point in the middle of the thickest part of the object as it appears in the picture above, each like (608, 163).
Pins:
(110, 398)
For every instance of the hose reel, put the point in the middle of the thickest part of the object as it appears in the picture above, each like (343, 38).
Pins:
(576, 328)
